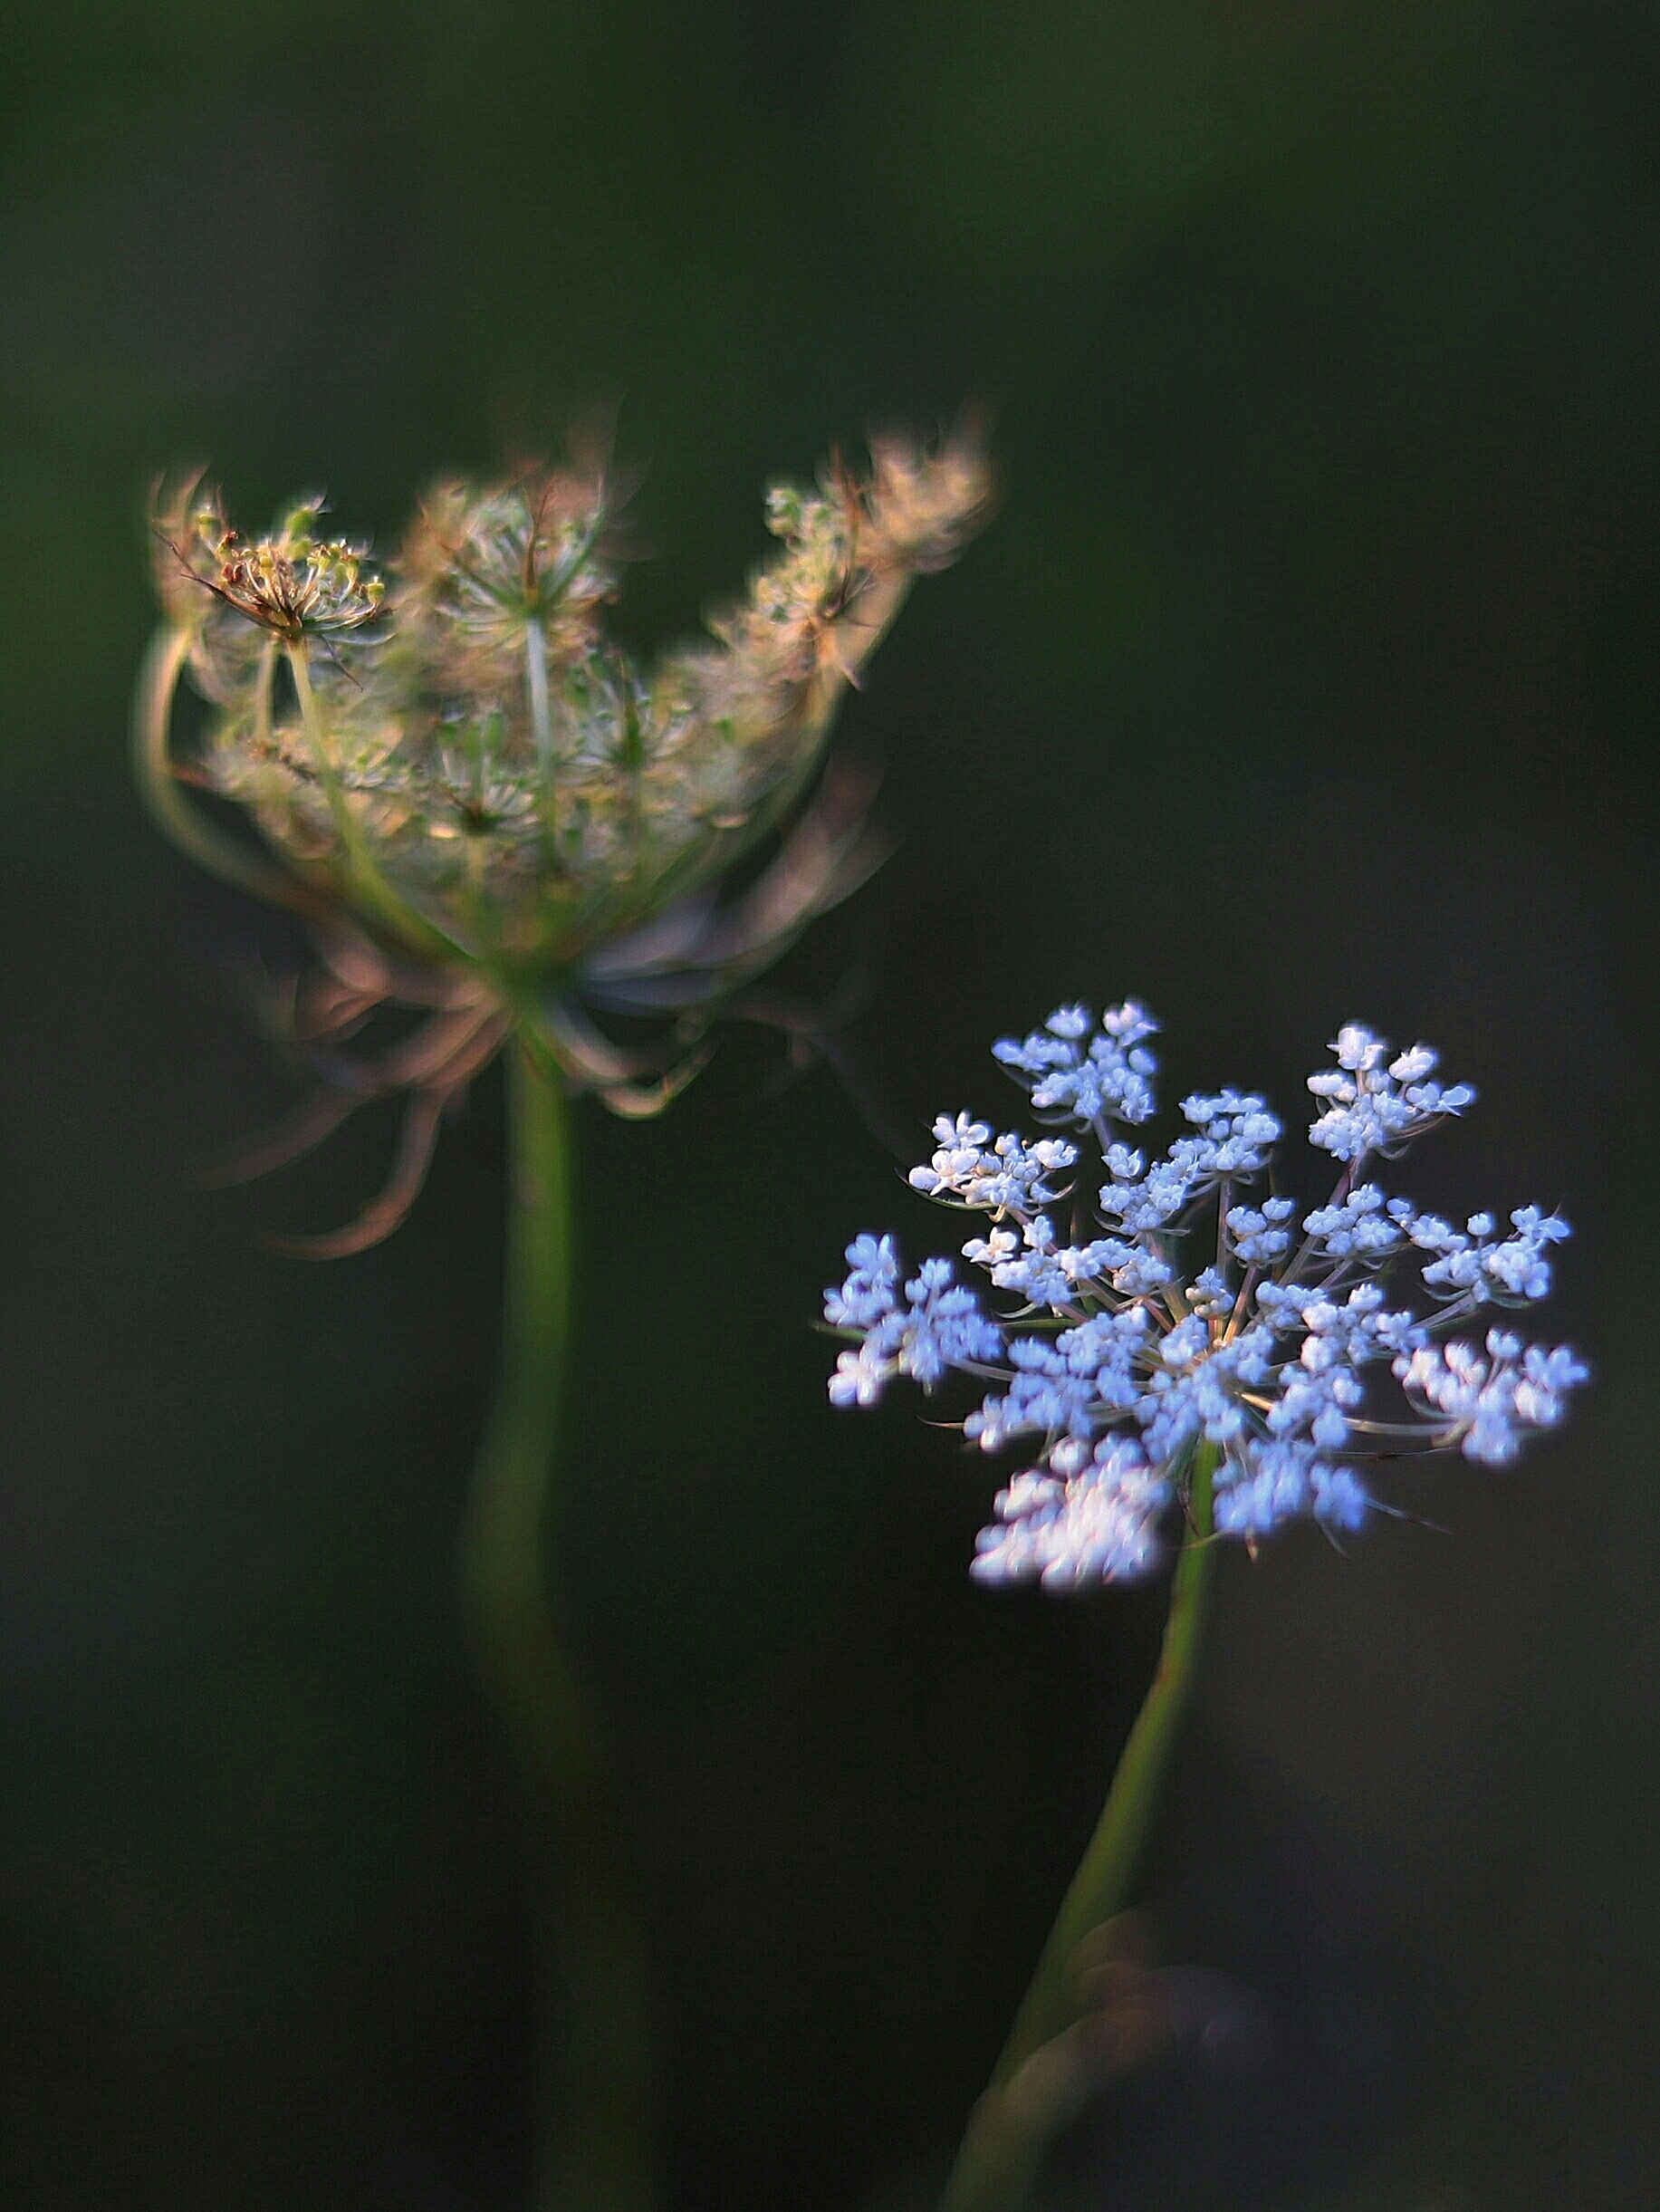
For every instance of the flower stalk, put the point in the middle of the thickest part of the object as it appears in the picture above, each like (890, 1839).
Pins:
(163, 794)
(595, 2070)
(1008, 2131)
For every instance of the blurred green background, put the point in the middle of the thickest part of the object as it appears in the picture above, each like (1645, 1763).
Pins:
(1307, 674)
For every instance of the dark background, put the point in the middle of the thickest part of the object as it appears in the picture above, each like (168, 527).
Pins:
(1305, 674)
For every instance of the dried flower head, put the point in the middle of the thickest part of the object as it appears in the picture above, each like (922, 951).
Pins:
(462, 778)
(1198, 1315)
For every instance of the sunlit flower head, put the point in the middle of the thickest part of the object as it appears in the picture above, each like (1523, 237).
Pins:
(292, 583)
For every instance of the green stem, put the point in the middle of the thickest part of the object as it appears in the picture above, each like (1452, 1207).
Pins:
(595, 2090)
(536, 675)
(368, 882)
(1006, 2135)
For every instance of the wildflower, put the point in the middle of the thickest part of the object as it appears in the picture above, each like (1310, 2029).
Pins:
(1379, 1107)
(487, 812)
(940, 1325)
(1486, 1405)
(294, 584)
(1267, 1347)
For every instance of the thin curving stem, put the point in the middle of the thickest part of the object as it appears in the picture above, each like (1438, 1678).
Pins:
(426, 1055)
(354, 960)
(159, 787)
(1009, 2128)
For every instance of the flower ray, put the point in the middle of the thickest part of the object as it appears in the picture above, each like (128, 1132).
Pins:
(387, 1210)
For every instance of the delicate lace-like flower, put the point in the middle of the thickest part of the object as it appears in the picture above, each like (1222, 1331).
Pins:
(294, 584)
(1105, 1079)
(940, 1325)
(1096, 1526)
(1377, 1107)
(1268, 1350)
(1488, 1405)
(487, 810)
(1010, 1177)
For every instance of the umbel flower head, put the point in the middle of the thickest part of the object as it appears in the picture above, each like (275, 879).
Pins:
(1184, 1310)
(485, 808)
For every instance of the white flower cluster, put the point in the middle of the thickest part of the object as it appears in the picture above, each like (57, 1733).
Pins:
(1119, 1363)
(1009, 1176)
(1377, 1107)
(940, 1325)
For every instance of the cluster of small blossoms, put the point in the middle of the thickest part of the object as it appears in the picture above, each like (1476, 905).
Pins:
(463, 759)
(1182, 1313)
